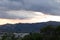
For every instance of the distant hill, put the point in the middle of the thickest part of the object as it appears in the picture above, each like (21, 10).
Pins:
(26, 27)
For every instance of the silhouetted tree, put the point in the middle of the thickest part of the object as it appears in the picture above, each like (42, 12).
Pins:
(4, 37)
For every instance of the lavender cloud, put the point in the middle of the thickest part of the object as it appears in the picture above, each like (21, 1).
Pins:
(46, 6)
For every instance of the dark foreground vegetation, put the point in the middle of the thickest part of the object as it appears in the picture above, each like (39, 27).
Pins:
(46, 33)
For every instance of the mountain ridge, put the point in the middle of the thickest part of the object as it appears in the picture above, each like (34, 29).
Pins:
(26, 27)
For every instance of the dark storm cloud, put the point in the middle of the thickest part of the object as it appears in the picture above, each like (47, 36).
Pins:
(46, 6)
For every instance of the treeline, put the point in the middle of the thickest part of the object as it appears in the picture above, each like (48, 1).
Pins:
(46, 33)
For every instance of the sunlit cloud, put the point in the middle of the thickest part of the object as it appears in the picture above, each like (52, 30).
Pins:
(40, 17)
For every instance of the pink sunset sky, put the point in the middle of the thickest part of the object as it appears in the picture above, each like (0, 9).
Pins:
(39, 17)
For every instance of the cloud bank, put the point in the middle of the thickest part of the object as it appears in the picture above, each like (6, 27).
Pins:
(45, 6)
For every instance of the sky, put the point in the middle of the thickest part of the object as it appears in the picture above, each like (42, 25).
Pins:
(29, 11)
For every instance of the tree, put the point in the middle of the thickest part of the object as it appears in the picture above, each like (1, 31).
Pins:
(8, 36)
(33, 36)
(4, 37)
(48, 32)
